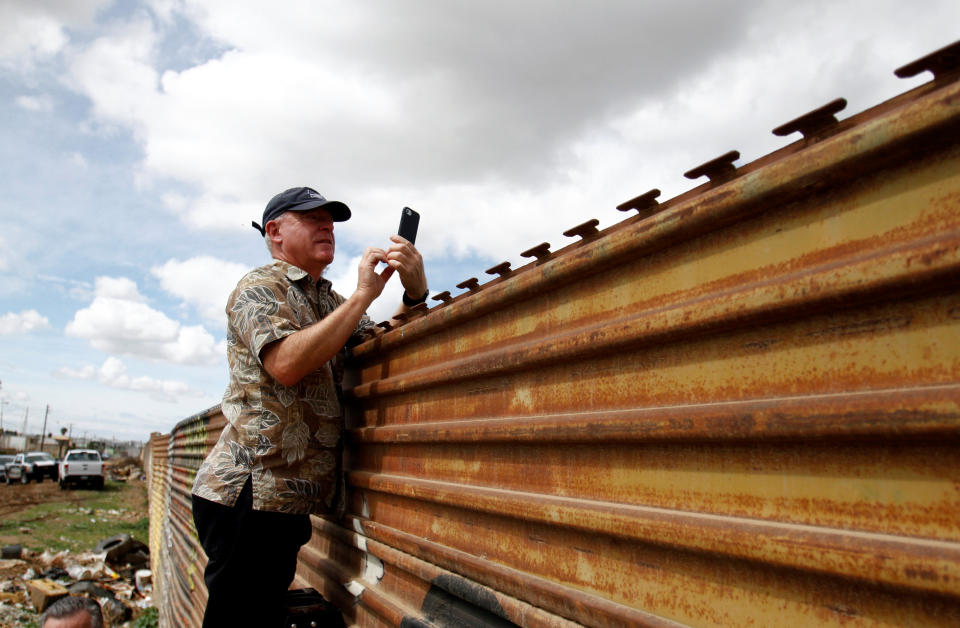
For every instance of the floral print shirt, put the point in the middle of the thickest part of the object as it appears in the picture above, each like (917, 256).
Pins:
(287, 439)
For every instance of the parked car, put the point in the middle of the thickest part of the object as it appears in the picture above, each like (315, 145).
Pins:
(81, 466)
(33, 465)
(5, 459)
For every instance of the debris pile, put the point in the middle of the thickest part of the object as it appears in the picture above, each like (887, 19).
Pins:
(116, 573)
(124, 469)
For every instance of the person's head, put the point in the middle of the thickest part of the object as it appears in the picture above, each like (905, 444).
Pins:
(298, 228)
(73, 611)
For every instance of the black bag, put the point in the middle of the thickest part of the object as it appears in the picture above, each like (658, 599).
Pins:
(308, 609)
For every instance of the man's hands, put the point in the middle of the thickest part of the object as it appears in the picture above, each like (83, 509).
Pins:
(291, 358)
(370, 283)
(406, 260)
(403, 258)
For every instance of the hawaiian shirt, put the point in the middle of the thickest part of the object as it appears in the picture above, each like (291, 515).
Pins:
(286, 439)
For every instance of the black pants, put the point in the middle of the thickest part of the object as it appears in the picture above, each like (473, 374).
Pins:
(252, 558)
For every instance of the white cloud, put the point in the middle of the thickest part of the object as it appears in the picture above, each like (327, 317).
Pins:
(502, 127)
(120, 288)
(33, 31)
(204, 282)
(22, 323)
(88, 371)
(113, 373)
(35, 103)
(119, 322)
(380, 96)
(27, 37)
(75, 289)
(77, 159)
(116, 72)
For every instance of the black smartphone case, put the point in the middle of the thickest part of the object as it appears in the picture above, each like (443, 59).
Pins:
(409, 221)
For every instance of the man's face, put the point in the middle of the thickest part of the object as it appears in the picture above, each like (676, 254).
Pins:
(80, 619)
(306, 239)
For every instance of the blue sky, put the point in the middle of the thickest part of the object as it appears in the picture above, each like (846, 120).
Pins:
(141, 138)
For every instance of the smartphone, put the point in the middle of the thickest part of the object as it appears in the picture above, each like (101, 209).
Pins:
(409, 221)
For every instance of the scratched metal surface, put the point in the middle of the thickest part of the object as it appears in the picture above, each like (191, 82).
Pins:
(737, 407)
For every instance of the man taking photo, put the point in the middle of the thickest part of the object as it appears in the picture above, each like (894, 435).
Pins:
(278, 459)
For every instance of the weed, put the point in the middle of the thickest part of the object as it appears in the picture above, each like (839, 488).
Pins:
(149, 618)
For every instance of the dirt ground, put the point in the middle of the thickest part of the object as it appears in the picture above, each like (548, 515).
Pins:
(16, 497)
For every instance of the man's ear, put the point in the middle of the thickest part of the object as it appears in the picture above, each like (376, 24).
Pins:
(273, 231)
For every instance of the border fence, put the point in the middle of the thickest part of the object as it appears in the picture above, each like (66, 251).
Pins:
(735, 407)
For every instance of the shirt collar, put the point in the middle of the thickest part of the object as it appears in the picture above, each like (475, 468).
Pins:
(295, 273)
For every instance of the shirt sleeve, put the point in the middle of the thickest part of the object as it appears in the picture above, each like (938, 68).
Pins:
(259, 315)
(363, 325)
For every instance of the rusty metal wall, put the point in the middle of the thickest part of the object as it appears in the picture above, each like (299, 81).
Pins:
(736, 407)
(177, 559)
(154, 458)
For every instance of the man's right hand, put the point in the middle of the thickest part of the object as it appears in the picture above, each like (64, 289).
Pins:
(370, 283)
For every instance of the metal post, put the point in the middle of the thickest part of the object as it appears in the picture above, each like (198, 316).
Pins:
(3, 402)
(43, 433)
(26, 413)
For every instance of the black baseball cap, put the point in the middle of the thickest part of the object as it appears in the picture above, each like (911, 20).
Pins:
(301, 200)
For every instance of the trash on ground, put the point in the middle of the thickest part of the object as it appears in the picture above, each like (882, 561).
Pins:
(117, 574)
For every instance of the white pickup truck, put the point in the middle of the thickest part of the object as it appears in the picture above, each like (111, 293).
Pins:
(81, 466)
(32, 465)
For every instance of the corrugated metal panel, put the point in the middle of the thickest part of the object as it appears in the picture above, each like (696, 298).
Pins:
(738, 407)
(155, 464)
(176, 556)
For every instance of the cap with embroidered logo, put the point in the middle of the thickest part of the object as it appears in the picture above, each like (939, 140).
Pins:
(300, 200)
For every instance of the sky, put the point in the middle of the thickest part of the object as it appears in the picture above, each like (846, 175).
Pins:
(141, 137)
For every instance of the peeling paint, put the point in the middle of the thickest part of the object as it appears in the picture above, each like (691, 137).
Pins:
(355, 588)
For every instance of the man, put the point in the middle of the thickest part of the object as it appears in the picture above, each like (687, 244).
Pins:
(73, 612)
(278, 459)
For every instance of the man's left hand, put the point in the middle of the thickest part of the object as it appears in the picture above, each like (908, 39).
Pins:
(406, 260)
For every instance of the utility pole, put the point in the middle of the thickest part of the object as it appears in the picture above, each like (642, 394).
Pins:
(26, 413)
(43, 434)
(3, 402)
